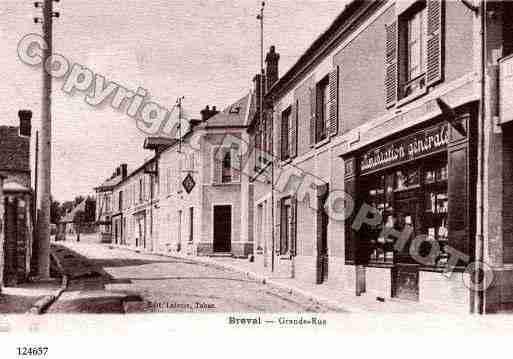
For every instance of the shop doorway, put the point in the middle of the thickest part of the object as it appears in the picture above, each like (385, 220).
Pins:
(405, 275)
(222, 229)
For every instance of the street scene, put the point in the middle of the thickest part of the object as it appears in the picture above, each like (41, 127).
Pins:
(223, 157)
(104, 279)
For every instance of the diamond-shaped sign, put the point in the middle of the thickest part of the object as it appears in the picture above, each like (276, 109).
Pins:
(188, 183)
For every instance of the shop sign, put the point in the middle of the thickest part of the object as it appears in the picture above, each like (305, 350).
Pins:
(188, 183)
(406, 149)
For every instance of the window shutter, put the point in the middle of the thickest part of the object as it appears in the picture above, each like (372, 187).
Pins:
(434, 41)
(284, 133)
(236, 165)
(293, 129)
(218, 164)
(313, 113)
(283, 228)
(391, 65)
(333, 120)
(269, 133)
(293, 240)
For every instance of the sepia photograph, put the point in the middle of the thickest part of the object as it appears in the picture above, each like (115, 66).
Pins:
(241, 165)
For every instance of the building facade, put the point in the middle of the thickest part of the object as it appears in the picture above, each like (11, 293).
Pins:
(187, 198)
(16, 205)
(389, 164)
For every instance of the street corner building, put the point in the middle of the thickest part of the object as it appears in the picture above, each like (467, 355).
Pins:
(396, 105)
(187, 198)
(16, 204)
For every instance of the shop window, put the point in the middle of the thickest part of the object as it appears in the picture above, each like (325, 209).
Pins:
(415, 196)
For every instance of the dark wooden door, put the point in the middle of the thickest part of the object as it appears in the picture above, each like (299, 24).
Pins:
(222, 229)
(322, 239)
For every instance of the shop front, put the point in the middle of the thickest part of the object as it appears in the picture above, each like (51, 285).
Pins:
(414, 196)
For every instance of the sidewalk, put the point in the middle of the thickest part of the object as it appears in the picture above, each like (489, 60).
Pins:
(24, 297)
(325, 293)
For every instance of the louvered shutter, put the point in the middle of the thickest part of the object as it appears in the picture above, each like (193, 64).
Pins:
(313, 113)
(236, 164)
(293, 129)
(269, 133)
(218, 164)
(434, 42)
(284, 133)
(293, 231)
(391, 64)
(283, 228)
(333, 120)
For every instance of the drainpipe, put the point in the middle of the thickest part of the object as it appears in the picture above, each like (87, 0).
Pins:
(479, 294)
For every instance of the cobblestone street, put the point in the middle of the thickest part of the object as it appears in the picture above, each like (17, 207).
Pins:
(109, 280)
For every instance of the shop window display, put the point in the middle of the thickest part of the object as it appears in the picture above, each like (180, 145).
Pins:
(414, 196)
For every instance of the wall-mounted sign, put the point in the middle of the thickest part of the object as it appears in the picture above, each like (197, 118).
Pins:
(405, 149)
(188, 183)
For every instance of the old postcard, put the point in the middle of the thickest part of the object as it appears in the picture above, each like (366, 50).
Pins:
(245, 165)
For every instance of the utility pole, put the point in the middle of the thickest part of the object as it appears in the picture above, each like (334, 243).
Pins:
(45, 145)
(261, 116)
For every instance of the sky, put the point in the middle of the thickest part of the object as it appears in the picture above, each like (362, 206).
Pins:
(205, 50)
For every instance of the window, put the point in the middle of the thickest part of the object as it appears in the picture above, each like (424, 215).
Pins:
(226, 163)
(414, 196)
(323, 111)
(191, 224)
(414, 51)
(227, 168)
(287, 225)
(141, 190)
(120, 201)
(413, 36)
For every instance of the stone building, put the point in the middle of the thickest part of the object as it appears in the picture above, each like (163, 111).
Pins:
(16, 206)
(390, 164)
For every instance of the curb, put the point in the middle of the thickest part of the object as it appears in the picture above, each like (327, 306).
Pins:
(266, 280)
(42, 305)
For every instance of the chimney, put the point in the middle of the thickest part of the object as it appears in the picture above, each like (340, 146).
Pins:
(271, 67)
(118, 171)
(207, 113)
(25, 122)
(124, 170)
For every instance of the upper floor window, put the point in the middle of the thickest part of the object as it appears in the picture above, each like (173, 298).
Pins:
(227, 168)
(141, 189)
(413, 35)
(120, 201)
(414, 51)
(226, 164)
(323, 113)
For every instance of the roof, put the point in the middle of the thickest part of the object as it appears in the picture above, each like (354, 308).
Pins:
(68, 218)
(154, 143)
(234, 115)
(331, 33)
(109, 184)
(14, 150)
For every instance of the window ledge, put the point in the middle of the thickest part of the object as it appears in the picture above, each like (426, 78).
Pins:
(322, 142)
(286, 161)
(412, 97)
(225, 184)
